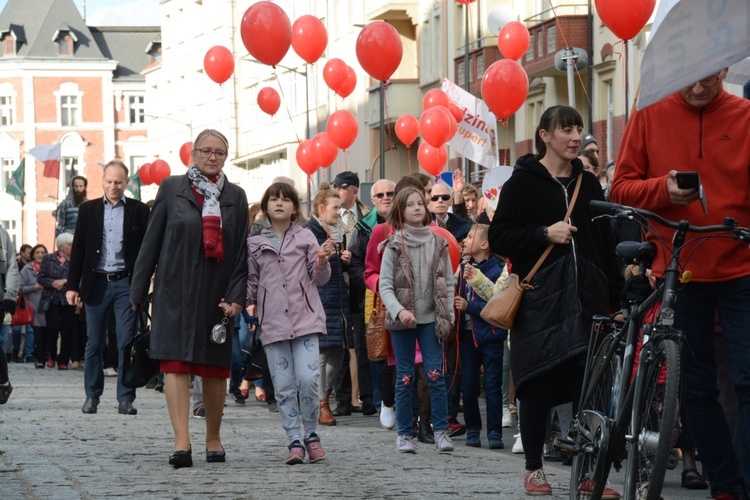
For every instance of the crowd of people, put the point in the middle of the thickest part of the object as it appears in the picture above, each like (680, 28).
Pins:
(214, 274)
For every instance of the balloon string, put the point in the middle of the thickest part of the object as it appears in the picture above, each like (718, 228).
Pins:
(408, 155)
(286, 106)
(387, 120)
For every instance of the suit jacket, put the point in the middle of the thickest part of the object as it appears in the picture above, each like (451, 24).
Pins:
(87, 242)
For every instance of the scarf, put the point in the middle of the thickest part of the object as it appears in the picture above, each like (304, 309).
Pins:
(423, 239)
(213, 244)
(35, 266)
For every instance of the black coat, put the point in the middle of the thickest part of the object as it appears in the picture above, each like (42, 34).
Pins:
(87, 241)
(457, 226)
(188, 287)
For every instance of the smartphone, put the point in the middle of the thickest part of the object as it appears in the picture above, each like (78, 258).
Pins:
(688, 180)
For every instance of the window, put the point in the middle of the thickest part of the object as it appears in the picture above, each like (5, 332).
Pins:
(65, 40)
(480, 66)
(7, 111)
(610, 118)
(8, 165)
(69, 111)
(551, 39)
(9, 46)
(136, 109)
(69, 169)
(461, 72)
(430, 36)
(71, 160)
(540, 44)
(530, 50)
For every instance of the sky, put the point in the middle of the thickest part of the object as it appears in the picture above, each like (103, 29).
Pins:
(117, 12)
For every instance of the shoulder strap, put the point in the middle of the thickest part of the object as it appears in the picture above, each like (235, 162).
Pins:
(549, 248)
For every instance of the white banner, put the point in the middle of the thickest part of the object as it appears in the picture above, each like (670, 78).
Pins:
(690, 40)
(476, 138)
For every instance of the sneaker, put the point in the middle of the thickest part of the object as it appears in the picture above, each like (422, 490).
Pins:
(237, 395)
(387, 417)
(507, 418)
(455, 428)
(296, 454)
(273, 407)
(5, 391)
(199, 412)
(443, 441)
(110, 372)
(473, 439)
(495, 440)
(405, 444)
(518, 445)
(587, 487)
(159, 386)
(535, 483)
(314, 449)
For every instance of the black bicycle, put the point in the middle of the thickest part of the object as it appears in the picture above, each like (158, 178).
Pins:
(628, 410)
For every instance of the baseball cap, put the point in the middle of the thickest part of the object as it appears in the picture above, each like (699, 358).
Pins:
(346, 179)
(587, 139)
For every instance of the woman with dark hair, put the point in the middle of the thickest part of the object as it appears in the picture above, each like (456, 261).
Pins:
(32, 292)
(550, 339)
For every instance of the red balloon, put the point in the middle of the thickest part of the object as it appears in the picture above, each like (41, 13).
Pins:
(185, 153)
(305, 158)
(407, 129)
(457, 112)
(350, 83)
(435, 126)
(432, 159)
(379, 50)
(625, 19)
(309, 38)
(269, 100)
(144, 175)
(219, 64)
(342, 128)
(266, 32)
(435, 97)
(513, 40)
(159, 171)
(334, 73)
(465, 2)
(323, 150)
(505, 86)
(454, 251)
(451, 120)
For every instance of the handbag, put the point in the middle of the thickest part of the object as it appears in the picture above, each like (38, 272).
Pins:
(44, 304)
(137, 366)
(24, 314)
(252, 353)
(376, 336)
(502, 307)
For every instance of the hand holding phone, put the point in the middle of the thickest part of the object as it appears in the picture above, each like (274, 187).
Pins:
(688, 180)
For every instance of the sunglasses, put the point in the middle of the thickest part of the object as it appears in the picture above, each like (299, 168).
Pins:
(380, 196)
(444, 197)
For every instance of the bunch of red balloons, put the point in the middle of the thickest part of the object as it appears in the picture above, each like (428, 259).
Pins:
(154, 172)
(339, 77)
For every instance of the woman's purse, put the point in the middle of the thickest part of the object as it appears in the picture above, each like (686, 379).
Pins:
(137, 366)
(24, 314)
(376, 336)
(502, 308)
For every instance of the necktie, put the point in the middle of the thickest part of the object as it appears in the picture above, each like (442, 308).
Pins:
(350, 223)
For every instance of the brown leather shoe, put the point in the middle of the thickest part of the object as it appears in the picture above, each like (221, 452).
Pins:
(326, 417)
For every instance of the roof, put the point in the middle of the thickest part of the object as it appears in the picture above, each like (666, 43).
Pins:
(127, 46)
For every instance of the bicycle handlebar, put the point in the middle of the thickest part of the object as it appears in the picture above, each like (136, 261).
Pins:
(625, 212)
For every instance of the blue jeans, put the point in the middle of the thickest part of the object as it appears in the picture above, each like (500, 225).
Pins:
(695, 311)
(404, 347)
(106, 294)
(4, 332)
(472, 359)
(28, 346)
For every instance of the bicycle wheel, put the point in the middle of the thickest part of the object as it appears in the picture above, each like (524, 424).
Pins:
(656, 419)
(591, 464)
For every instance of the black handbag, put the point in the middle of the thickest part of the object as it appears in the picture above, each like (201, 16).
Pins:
(137, 366)
(252, 353)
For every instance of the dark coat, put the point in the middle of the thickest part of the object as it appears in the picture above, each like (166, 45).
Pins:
(335, 298)
(188, 287)
(50, 270)
(457, 226)
(358, 247)
(481, 332)
(87, 242)
(530, 200)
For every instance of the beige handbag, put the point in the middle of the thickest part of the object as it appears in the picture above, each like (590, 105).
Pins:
(376, 336)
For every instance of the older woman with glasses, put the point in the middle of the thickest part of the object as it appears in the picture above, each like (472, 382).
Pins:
(59, 315)
(195, 242)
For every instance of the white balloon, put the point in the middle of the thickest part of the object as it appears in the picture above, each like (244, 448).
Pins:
(493, 183)
(499, 17)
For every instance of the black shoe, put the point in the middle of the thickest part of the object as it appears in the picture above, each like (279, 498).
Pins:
(237, 395)
(30, 359)
(5, 391)
(692, 480)
(425, 434)
(369, 408)
(90, 405)
(126, 408)
(551, 454)
(181, 458)
(342, 410)
(39, 364)
(152, 383)
(159, 386)
(216, 456)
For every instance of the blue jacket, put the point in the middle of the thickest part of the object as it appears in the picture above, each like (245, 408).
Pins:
(481, 332)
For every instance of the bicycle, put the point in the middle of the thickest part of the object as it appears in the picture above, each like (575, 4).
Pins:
(628, 409)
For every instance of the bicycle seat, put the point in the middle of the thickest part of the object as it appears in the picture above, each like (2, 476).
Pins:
(636, 252)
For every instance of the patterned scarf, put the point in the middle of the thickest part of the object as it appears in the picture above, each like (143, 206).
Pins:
(210, 190)
(35, 266)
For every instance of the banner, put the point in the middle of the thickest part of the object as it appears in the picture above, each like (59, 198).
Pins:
(134, 186)
(476, 138)
(50, 156)
(15, 183)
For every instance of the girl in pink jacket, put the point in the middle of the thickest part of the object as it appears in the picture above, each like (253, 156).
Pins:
(285, 266)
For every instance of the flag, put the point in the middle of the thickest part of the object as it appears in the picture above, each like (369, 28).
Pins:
(15, 183)
(134, 186)
(50, 156)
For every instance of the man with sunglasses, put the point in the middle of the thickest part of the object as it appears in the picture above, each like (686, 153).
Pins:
(438, 204)
(701, 128)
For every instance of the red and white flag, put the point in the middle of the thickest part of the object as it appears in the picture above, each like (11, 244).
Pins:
(50, 156)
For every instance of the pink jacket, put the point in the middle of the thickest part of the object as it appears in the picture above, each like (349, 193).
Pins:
(283, 284)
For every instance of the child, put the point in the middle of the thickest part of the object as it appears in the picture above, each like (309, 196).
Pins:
(284, 260)
(481, 344)
(416, 287)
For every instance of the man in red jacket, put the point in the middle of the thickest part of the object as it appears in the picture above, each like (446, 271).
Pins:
(701, 128)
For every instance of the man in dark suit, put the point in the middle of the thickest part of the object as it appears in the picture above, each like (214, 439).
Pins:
(107, 239)
(438, 205)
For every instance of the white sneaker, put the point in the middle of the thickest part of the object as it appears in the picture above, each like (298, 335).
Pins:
(110, 372)
(387, 417)
(518, 445)
(443, 442)
(507, 418)
(405, 444)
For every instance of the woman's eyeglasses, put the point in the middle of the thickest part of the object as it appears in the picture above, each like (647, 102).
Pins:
(380, 196)
(207, 152)
(444, 197)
